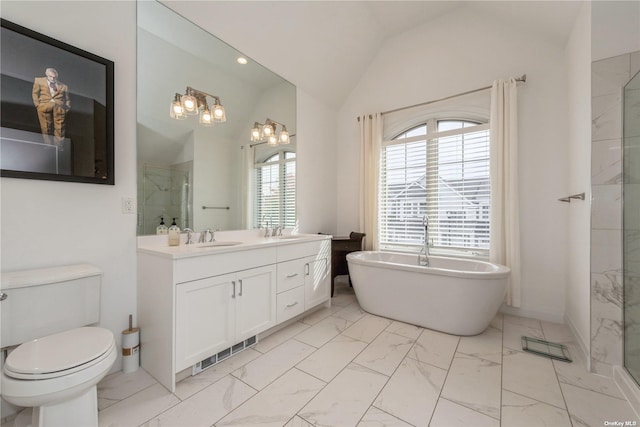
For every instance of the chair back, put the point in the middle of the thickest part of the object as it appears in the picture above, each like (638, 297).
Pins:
(358, 237)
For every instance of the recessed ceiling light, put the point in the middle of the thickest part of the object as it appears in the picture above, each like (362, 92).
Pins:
(242, 60)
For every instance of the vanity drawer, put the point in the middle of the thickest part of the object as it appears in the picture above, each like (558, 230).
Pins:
(290, 304)
(290, 274)
(291, 251)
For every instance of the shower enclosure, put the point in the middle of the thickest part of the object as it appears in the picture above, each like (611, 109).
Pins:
(631, 226)
(165, 192)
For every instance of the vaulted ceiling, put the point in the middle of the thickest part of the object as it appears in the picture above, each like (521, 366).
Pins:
(324, 47)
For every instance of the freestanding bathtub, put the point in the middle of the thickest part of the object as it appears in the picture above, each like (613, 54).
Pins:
(452, 295)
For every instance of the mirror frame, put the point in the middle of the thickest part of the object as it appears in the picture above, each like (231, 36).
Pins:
(72, 55)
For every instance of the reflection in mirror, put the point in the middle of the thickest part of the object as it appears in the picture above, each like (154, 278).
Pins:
(216, 176)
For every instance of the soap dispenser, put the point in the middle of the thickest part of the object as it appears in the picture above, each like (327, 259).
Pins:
(174, 234)
(162, 228)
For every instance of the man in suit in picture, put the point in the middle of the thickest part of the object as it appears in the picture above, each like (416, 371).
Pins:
(52, 102)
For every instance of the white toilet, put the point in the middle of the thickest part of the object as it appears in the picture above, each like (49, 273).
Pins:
(60, 359)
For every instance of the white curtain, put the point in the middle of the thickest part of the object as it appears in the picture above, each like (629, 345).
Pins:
(505, 224)
(370, 143)
(248, 195)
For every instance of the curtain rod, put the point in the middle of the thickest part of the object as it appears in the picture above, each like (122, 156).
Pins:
(519, 79)
(264, 142)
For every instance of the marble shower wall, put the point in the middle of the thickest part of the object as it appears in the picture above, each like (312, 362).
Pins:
(164, 191)
(608, 77)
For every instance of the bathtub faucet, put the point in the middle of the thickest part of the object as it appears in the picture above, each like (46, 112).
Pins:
(423, 256)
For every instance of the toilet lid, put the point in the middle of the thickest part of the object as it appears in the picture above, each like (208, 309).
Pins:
(59, 352)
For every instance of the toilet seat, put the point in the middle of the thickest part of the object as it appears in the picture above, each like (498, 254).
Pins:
(59, 354)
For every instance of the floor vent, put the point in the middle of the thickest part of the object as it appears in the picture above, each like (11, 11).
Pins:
(546, 348)
(224, 354)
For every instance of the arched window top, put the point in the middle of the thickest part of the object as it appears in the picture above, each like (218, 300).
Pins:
(277, 157)
(436, 125)
(419, 130)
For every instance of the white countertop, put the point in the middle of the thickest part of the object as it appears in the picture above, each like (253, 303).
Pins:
(240, 240)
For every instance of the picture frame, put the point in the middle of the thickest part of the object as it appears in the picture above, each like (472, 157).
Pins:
(56, 109)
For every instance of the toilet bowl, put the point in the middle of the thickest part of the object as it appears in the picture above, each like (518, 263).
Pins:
(57, 376)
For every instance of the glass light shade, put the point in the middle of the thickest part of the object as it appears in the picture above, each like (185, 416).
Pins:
(284, 136)
(267, 130)
(272, 140)
(177, 110)
(206, 118)
(255, 133)
(219, 115)
(190, 104)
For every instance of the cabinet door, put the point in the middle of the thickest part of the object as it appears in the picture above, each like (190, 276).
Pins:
(205, 316)
(255, 301)
(317, 282)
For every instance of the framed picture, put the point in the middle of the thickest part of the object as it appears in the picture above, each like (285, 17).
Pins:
(56, 109)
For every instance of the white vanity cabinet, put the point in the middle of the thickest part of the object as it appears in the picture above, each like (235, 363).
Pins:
(304, 277)
(317, 281)
(194, 303)
(217, 312)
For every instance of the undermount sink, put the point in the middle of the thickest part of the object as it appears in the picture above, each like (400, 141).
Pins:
(216, 244)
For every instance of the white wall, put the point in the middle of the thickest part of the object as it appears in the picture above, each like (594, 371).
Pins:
(316, 166)
(462, 51)
(46, 223)
(615, 28)
(578, 53)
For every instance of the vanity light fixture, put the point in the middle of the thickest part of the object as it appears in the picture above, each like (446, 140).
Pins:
(195, 102)
(177, 109)
(267, 132)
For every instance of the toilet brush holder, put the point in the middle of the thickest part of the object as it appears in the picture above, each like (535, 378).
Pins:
(130, 348)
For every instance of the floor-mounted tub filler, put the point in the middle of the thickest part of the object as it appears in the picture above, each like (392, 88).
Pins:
(456, 296)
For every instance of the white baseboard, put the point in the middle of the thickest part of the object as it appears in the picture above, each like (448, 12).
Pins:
(628, 387)
(532, 313)
(580, 340)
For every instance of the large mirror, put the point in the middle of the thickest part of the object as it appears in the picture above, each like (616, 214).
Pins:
(209, 176)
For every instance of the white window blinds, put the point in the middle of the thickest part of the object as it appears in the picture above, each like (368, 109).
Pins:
(275, 190)
(439, 169)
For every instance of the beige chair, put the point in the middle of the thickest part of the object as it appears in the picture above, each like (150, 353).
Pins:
(340, 247)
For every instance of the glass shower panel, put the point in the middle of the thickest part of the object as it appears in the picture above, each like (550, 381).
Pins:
(631, 226)
(166, 192)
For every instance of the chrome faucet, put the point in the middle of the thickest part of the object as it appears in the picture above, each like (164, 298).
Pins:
(205, 233)
(268, 220)
(189, 235)
(423, 256)
(277, 231)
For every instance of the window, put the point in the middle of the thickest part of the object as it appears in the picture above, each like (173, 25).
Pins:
(439, 169)
(275, 190)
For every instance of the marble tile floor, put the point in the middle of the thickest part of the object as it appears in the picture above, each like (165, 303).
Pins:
(343, 367)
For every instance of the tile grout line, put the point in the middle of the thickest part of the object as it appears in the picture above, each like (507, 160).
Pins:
(382, 388)
(555, 371)
(445, 380)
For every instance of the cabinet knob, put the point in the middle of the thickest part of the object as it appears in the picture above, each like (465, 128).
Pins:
(3, 296)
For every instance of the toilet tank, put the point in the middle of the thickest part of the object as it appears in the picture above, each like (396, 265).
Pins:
(45, 301)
